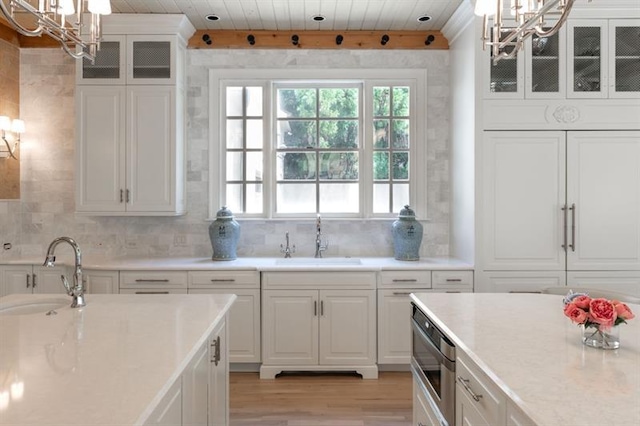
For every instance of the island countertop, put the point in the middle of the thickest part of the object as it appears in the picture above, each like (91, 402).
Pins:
(526, 345)
(108, 363)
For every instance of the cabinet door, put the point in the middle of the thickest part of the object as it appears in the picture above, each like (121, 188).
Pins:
(109, 65)
(586, 53)
(624, 58)
(151, 59)
(627, 282)
(347, 327)
(603, 181)
(151, 162)
(101, 282)
(244, 323)
(467, 414)
(523, 184)
(195, 389)
(394, 326)
(505, 78)
(290, 327)
(100, 152)
(518, 281)
(16, 279)
(219, 378)
(545, 66)
(47, 280)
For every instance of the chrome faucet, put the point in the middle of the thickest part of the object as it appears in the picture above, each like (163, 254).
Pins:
(320, 247)
(77, 291)
(287, 250)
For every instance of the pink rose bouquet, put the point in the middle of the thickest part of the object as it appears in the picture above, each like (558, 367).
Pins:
(599, 313)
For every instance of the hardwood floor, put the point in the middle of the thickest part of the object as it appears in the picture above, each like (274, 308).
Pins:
(321, 400)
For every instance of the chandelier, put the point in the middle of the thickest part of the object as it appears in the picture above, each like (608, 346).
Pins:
(61, 20)
(528, 19)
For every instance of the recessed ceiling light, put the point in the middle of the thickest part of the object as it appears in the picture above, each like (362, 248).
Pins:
(318, 18)
(424, 18)
(212, 17)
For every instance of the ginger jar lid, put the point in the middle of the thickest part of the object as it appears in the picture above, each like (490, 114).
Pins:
(407, 213)
(224, 213)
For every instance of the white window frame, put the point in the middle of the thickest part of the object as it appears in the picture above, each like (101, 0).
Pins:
(414, 78)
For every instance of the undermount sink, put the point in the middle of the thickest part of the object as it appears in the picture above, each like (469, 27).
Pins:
(313, 261)
(33, 306)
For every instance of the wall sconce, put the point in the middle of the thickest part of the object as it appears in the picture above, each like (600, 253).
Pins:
(15, 126)
(384, 40)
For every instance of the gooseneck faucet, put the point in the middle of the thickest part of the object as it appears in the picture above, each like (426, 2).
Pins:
(77, 291)
(320, 247)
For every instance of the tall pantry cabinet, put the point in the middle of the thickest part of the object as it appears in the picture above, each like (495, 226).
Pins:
(558, 160)
(130, 126)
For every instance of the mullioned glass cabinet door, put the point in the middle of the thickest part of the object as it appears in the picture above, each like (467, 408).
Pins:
(624, 58)
(109, 65)
(505, 78)
(545, 66)
(586, 51)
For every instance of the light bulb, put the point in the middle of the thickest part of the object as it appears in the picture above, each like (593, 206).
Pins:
(486, 7)
(100, 7)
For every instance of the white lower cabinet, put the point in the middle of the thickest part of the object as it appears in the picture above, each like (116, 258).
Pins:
(519, 281)
(32, 279)
(516, 417)
(394, 326)
(479, 401)
(101, 282)
(315, 328)
(153, 282)
(201, 396)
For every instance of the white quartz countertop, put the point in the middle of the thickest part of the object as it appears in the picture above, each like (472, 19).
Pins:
(108, 363)
(535, 354)
(255, 263)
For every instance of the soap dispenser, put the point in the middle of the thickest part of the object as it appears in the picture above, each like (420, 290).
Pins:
(224, 233)
(407, 235)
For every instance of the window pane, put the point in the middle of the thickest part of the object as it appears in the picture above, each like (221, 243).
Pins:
(234, 165)
(254, 134)
(296, 103)
(234, 101)
(401, 101)
(254, 198)
(234, 134)
(400, 196)
(296, 166)
(234, 197)
(254, 166)
(339, 198)
(381, 198)
(401, 134)
(341, 102)
(338, 134)
(254, 101)
(296, 134)
(381, 133)
(292, 198)
(381, 165)
(400, 165)
(339, 165)
(381, 101)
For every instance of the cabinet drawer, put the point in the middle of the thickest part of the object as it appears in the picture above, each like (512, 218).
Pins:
(319, 280)
(453, 280)
(226, 279)
(405, 279)
(153, 279)
(471, 381)
(153, 291)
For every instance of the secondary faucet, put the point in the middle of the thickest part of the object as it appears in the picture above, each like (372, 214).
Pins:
(77, 291)
(320, 247)
(287, 250)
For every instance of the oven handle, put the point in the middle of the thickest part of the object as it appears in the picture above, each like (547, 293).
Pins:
(435, 351)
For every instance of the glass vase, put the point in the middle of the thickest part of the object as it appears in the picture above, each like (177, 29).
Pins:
(602, 339)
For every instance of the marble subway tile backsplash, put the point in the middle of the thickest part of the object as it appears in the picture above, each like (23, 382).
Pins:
(46, 209)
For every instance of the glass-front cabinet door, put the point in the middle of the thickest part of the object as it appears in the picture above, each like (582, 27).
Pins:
(624, 58)
(505, 77)
(152, 60)
(109, 65)
(586, 52)
(545, 66)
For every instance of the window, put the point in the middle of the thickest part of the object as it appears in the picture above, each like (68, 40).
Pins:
(296, 144)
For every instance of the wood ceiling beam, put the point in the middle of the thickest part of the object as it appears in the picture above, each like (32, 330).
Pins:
(212, 39)
(9, 34)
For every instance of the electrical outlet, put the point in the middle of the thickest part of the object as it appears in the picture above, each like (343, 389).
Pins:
(6, 246)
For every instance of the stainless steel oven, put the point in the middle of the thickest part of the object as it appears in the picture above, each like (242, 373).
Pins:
(433, 362)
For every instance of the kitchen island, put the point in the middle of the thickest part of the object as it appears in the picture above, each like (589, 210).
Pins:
(114, 361)
(525, 346)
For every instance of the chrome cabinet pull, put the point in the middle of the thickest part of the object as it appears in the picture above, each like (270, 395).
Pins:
(465, 384)
(408, 280)
(215, 349)
(223, 280)
(28, 280)
(315, 308)
(573, 227)
(152, 292)
(33, 281)
(564, 239)
(143, 280)
(127, 195)
(454, 280)
(401, 293)
(322, 308)
(121, 195)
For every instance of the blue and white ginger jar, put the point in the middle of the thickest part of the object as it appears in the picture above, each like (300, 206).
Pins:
(407, 235)
(224, 233)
